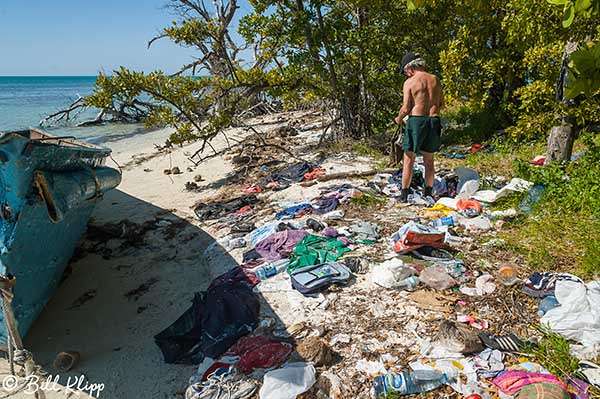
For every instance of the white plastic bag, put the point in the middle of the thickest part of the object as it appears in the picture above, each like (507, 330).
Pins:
(390, 273)
(288, 382)
(515, 185)
(578, 316)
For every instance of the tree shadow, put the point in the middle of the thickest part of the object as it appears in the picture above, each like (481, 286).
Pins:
(134, 274)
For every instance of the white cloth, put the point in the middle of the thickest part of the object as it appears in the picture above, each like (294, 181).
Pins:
(288, 382)
(515, 185)
(578, 316)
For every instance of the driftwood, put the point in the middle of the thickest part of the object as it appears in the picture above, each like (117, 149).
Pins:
(355, 173)
(64, 115)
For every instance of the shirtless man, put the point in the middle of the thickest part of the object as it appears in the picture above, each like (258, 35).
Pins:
(422, 102)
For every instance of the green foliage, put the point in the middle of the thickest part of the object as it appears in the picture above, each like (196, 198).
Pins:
(368, 200)
(553, 352)
(468, 125)
(586, 8)
(584, 76)
(565, 230)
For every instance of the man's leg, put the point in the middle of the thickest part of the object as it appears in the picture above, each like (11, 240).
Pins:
(429, 172)
(407, 173)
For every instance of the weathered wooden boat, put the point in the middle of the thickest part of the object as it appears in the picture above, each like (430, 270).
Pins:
(48, 188)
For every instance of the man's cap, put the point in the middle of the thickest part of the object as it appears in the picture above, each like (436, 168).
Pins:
(408, 57)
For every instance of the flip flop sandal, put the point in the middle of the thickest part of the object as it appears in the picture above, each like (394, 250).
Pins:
(591, 372)
(505, 343)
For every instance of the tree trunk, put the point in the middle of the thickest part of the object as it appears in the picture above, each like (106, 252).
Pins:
(560, 141)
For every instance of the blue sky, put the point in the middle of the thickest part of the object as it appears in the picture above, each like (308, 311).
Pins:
(82, 37)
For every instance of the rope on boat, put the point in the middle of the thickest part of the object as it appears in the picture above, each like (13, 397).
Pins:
(17, 354)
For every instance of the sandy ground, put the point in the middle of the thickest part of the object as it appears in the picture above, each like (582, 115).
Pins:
(115, 300)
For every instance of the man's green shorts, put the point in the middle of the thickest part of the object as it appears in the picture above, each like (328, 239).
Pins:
(422, 133)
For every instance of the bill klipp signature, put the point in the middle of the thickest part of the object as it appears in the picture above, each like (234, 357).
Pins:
(33, 384)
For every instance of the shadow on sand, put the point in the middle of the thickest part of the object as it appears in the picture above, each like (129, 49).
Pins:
(124, 288)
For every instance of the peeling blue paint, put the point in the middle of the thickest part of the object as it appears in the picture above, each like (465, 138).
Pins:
(48, 189)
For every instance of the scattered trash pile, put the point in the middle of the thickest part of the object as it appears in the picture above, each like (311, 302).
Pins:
(344, 292)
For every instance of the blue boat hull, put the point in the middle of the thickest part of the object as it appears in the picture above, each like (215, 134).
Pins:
(48, 190)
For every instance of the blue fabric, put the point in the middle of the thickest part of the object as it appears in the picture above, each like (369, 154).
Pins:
(292, 211)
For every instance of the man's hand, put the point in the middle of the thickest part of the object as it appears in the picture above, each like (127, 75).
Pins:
(398, 120)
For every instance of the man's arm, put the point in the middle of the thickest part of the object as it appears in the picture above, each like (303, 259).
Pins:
(441, 94)
(406, 103)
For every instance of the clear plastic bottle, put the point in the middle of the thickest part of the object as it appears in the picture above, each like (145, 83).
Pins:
(546, 304)
(271, 269)
(445, 221)
(408, 383)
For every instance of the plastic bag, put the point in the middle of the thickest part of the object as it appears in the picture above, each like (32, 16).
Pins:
(288, 382)
(390, 273)
(468, 182)
(436, 277)
(578, 316)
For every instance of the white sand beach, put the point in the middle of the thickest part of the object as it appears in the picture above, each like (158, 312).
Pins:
(110, 306)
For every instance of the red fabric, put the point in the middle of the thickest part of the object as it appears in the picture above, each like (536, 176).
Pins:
(476, 147)
(539, 162)
(259, 353)
(253, 189)
(245, 209)
(463, 205)
(314, 174)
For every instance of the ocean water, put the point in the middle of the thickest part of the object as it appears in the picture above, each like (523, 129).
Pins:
(25, 100)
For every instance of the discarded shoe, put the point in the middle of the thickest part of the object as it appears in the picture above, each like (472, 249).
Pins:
(505, 343)
(357, 264)
(315, 225)
(224, 386)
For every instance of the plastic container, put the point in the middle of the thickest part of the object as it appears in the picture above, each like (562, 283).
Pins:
(532, 198)
(550, 302)
(271, 269)
(507, 275)
(408, 383)
(437, 278)
(445, 221)
(409, 283)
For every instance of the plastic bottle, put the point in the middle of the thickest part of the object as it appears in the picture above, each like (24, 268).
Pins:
(409, 283)
(445, 221)
(546, 304)
(407, 383)
(532, 198)
(271, 269)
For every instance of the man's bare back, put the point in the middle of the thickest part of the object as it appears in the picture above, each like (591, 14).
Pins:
(422, 95)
